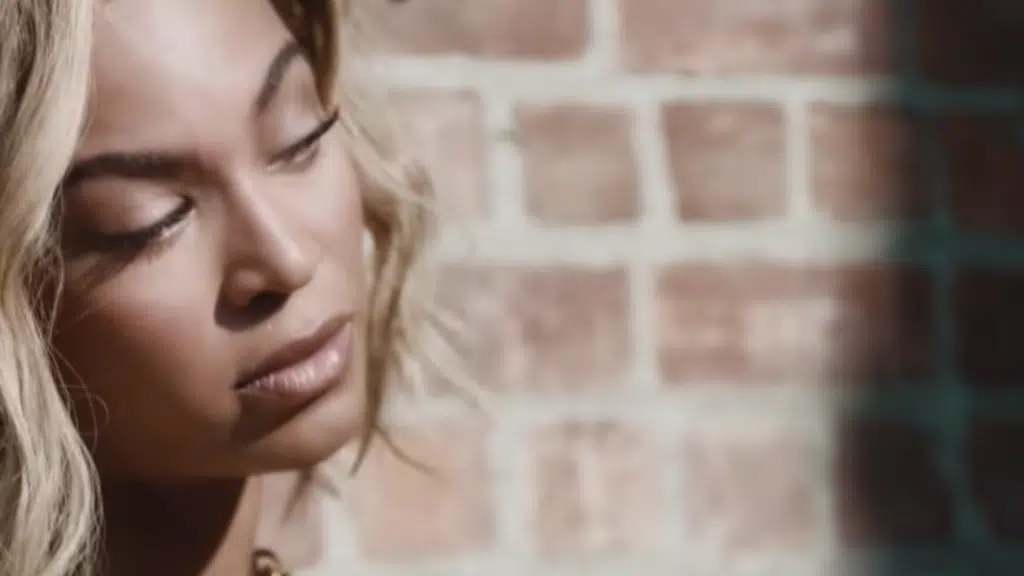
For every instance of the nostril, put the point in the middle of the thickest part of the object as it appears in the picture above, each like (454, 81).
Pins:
(241, 315)
(265, 303)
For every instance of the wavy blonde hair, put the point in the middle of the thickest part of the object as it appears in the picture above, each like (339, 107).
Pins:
(49, 511)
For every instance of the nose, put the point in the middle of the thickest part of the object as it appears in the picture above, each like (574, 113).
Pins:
(269, 257)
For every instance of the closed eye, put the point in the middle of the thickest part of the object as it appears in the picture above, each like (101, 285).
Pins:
(304, 150)
(136, 241)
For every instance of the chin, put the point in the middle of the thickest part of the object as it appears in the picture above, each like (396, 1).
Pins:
(315, 434)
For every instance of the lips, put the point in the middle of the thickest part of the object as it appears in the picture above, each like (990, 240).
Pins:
(303, 364)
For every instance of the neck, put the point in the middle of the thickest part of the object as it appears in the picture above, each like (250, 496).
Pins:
(204, 527)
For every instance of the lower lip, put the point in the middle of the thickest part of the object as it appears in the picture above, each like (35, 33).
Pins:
(309, 377)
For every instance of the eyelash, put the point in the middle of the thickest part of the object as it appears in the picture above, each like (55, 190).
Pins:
(308, 144)
(137, 241)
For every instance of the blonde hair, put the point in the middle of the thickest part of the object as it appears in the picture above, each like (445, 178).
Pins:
(49, 510)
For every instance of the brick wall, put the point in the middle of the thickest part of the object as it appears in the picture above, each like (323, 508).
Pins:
(743, 284)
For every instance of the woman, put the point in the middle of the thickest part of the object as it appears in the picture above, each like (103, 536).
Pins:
(187, 326)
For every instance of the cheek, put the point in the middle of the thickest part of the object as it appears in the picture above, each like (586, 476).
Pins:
(141, 348)
(336, 209)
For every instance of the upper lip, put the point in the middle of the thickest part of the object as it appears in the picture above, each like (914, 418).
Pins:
(295, 351)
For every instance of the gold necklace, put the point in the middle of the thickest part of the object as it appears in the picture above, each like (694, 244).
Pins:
(266, 563)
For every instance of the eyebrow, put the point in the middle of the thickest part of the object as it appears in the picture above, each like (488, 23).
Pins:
(164, 166)
(157, 166)
(288, 54)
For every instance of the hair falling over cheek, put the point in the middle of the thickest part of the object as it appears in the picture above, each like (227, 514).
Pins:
(406, 338)
(48, 509)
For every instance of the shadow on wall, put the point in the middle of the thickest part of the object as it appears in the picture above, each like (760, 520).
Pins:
(933, 453)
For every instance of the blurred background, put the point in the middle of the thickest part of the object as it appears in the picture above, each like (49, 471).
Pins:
(745, 283)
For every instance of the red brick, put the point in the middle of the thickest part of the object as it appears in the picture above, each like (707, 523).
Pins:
(867, 163)
(989, 319)
(743, 37)
(748, 494)
(446, 132)
(985, 159)
(600, 488)
(543, 329)
(401, 512)
(995, 463)
(727, 160)
(579, 165)
(890, 490)
(524, 29)
(762, 323)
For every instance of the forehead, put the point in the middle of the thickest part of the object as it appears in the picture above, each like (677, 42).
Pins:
(161, 64)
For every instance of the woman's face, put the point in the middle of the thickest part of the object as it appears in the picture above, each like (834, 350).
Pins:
(212, 234)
